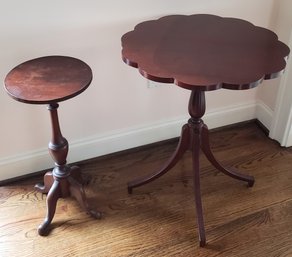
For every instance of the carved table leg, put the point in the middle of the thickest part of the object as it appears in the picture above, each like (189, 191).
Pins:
(76, 174)
(183, 145)
(230, 172)
(48, 182)
(52, 198)
(77, 191)
(197, 187)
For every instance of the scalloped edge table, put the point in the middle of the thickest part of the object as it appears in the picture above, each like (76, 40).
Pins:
(200, 53)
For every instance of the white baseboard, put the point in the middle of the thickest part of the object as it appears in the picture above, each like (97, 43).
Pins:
(98, 145)
(264, 114)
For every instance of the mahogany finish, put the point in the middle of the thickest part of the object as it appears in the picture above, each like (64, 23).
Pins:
(200, 53)
(48, 80)
(204, 52)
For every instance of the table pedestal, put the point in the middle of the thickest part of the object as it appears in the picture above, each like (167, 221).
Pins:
(194, 135)
(63, 181)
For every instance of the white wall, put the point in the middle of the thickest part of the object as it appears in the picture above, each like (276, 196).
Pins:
(117, 111)
(281, 129)
(281, 23)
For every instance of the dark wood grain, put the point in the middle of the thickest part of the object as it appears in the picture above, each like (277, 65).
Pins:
(48, 79)
(160, 219)
(204, 52)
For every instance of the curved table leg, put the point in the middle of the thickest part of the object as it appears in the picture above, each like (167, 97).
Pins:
(183, 145)
(78, 176)
(230, 172)
(77, 191)
(52, 198)
(48, 182)
(197, 188)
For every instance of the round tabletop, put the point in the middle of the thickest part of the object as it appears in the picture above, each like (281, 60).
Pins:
(48, 79)
(204, 52)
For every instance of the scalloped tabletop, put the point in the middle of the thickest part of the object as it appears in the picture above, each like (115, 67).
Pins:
(204, 52)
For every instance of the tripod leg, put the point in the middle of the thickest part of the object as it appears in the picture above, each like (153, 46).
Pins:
(230, 172)
(52, 198)
(48, 182)
(77, 191)
(183, 145)
(197, 188)
(78, 176)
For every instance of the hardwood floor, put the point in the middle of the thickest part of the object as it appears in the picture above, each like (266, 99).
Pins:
(158, 219)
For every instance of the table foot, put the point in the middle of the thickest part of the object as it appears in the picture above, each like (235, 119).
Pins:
(205, 145)
(47, 184)
(52, 198)
(183, 145)
(61, 188)
(202, 243)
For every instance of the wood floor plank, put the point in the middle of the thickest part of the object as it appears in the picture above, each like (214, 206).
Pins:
(159, 218)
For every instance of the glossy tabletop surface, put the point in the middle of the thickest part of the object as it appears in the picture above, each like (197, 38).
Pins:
(204, 52)
(48, 79)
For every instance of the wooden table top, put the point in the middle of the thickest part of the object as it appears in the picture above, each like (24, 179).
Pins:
(48, 79)
(204, 52)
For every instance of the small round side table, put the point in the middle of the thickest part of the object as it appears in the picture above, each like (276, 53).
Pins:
(49, 80)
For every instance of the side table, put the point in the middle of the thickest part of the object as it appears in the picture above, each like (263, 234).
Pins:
(201, 53)
(49, 80)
